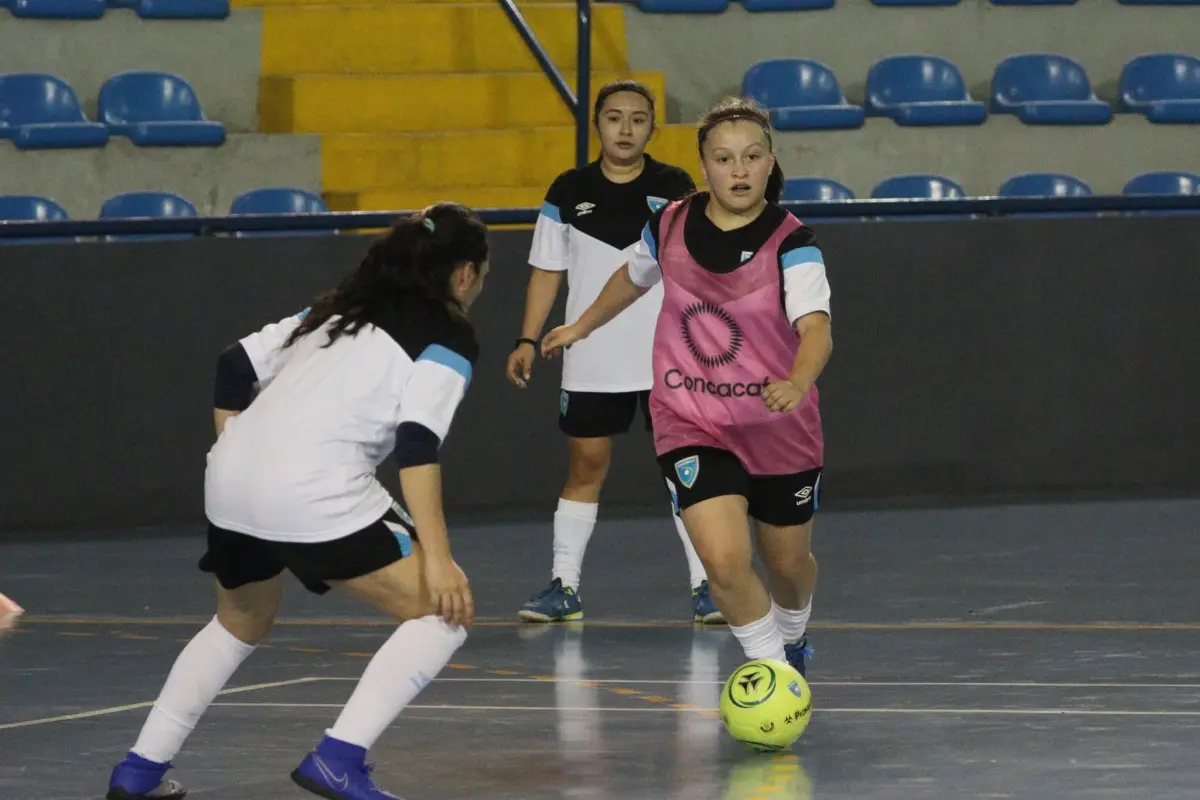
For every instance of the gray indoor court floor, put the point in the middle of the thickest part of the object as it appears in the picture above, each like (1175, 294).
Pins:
(1008, 652)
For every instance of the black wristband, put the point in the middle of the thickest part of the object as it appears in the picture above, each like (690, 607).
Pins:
(523, 340)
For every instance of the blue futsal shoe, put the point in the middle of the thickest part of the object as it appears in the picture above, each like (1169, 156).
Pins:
(703, 608)
(555, 603)
(336, 770)
(799, 654)
(136, 778)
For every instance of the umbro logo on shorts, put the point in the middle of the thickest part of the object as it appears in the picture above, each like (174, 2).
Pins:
(688, 469)
(804, 495)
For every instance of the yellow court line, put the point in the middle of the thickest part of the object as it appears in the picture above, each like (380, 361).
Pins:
(656, 625)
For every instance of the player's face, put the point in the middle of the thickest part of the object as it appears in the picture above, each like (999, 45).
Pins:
(737, 163)
(625, 125)
(468, 283)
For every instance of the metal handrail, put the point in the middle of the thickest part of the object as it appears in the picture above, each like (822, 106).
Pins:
(361, 220)
(577, 101)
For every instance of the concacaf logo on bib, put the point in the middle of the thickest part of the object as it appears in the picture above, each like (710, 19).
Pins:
(655, 203)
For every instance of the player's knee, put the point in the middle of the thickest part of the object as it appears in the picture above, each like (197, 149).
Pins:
(790, 563)
(726, 567)
(589, 466)
(250, 628)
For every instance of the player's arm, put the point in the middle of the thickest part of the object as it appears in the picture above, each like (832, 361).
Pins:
(623, 289)
(806, 296)
(247, 365)
(431, 396)
(548, 258)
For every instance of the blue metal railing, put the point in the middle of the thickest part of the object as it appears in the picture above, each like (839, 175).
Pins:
(360, 220)
(577, 101)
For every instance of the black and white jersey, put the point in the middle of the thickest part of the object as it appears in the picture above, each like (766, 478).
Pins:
(588, 227)
(298, 465)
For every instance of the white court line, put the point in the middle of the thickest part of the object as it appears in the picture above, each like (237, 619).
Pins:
(1065, 712)
(102, 712)
(818, 684)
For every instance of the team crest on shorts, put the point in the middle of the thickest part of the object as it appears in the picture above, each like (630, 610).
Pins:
(688, 469)
(655, 203)
(563, 401)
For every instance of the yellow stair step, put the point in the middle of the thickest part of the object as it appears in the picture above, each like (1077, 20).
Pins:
(416, 199)
(411, 103)
(358, 3)
(428, 38)
(531, 157)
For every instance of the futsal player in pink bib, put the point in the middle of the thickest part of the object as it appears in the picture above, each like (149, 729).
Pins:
(742, 336)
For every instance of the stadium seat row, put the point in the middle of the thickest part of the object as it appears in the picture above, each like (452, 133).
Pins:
(152, 109)
(134, 205)
(720, 6)
(923, 90)
(937, 187)
(95, 9)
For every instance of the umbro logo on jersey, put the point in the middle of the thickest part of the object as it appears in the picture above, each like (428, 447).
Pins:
(655, 203)
(584, 209)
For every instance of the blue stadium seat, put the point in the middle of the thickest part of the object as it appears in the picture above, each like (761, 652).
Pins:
(157, 205)
(40, 111)
(28, 208)
(916, 2)
(921, 90)
(119, 3)
(683, 6)
(182, 9)
(1047, 89)
(801, 94)
(1163, 86)
(1044, 184)
(918, 187)
(787, 5)
(156, 109)
(815, 190)
(55, 9)
(1164, 183)
(281, 200)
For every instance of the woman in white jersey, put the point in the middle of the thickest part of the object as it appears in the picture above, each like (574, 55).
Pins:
(742, 337)
(377, 365)
(592, 218)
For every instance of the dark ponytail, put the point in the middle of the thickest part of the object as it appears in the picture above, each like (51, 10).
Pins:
(413, 261)
(775, 184)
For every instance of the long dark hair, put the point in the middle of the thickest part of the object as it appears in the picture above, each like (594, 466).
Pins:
(734, 108)
(414, 260)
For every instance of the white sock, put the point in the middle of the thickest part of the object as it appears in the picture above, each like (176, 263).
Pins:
(761, 639)
(696, 572)
(573, 524)
(200, 672)
(405, 665)
(792, 624)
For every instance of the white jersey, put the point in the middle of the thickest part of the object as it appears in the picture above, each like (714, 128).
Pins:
(299, 464)
(589, 227)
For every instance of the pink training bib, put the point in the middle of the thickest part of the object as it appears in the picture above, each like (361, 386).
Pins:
(719, 340)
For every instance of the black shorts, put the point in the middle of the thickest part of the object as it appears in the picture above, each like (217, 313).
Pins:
(237, 559)
(590, 415)
(695, 474)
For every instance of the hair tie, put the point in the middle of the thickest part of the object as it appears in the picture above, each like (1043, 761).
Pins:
(429, 224)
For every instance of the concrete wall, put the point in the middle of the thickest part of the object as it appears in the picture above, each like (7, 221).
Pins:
(982, 158)
(705, 56)
(219, 58)
(81, 180)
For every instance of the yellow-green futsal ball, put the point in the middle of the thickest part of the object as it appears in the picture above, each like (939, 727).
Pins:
(766, 704)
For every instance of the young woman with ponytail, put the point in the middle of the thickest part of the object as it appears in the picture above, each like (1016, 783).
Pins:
(377, 364)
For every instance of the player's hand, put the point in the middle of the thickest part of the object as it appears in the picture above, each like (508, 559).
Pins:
(450, 591)
(782, 396)
(520, 364)
(559, 338)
